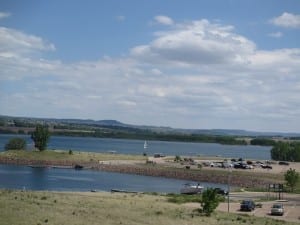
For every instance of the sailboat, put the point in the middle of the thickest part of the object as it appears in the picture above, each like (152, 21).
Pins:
(145, 148)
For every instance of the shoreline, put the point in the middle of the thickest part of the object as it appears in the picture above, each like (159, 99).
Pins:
(237, 178)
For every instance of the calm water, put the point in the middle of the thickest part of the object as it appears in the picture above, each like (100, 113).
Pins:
(18, 177)
(125, 146)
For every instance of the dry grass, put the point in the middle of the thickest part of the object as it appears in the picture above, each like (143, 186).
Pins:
(59, 155)
(33, 208)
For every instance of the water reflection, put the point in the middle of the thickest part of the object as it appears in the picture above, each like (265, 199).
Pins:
(38, 178)
(17, 177)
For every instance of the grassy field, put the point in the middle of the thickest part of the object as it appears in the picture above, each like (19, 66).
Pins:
(59, 155)
(37, 208)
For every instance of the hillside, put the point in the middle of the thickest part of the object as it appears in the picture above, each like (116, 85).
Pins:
(116, 129)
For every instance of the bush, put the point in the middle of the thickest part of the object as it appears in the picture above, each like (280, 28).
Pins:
(291, 177)
(181, 198)
(16, 144)
(210, 201)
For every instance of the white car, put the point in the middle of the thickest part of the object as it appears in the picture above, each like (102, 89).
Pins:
(277, 209)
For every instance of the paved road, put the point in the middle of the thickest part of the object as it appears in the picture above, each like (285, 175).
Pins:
(237, 196)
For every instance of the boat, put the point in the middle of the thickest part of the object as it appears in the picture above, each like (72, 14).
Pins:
(124, 191)
(145, 145)
(39, 166)
(78, 167)
(158, 155)
(191, 189)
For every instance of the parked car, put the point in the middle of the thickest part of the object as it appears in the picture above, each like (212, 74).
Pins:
(283, 163)
(239, 166)
(277, 209)
(247, 205)
(242, 165)
(221, 191)
(266, 166)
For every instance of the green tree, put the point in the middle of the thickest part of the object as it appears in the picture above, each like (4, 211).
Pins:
(40, 137)
(210, 201)
(16, 144)
(286, 151)
(262, 142)
(291, 177)
(177, 158)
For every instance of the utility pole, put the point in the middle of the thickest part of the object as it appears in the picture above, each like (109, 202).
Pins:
(228, 187)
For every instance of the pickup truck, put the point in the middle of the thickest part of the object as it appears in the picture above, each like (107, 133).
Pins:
(247, 205)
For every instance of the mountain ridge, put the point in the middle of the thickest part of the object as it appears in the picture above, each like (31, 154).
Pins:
(162, 129)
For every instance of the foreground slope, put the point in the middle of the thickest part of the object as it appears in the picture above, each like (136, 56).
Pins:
(32, 208)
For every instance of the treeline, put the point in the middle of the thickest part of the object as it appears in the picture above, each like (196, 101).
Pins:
(149, 135)
(263, 142)
(286, 151)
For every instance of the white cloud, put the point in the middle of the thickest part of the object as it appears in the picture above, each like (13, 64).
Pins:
(287, 20)
(195, 74)
(4, 15)
(19, 55)
(165, 20)
(14, 42)
(276, 34)
(198, 42)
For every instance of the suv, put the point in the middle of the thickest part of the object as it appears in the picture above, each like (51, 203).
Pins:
(221, 191)
(277, 209)
(247, 205)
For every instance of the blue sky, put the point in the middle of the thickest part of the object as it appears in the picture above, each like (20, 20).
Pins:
(188, 64)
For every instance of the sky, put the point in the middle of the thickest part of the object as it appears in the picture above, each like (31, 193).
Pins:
(199, 64)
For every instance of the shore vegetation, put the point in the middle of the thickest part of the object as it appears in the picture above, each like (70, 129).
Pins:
(76, 208)
(62, 155)
(15, 144)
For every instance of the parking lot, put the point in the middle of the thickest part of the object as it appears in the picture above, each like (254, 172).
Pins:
(292, 209)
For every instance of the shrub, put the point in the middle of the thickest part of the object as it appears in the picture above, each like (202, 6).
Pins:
(291, 177)
(16, 144)
(210, 201)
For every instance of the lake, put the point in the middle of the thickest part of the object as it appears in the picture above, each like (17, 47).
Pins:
(17, 177)
(125, 146)
(20, 177)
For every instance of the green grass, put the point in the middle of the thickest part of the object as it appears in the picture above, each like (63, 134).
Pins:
(180, 199)
(59, 155)
(37, 208)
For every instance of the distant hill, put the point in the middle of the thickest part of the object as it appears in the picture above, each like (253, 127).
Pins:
(117, 124)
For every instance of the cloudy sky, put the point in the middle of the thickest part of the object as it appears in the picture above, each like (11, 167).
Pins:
(201, 64)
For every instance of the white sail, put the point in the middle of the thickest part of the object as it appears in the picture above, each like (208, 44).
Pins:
(145, 145)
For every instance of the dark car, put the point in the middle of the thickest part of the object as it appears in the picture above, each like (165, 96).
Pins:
(221, 191)
(266, 166)
(283, 163)
(247, 205)
(240, 165)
